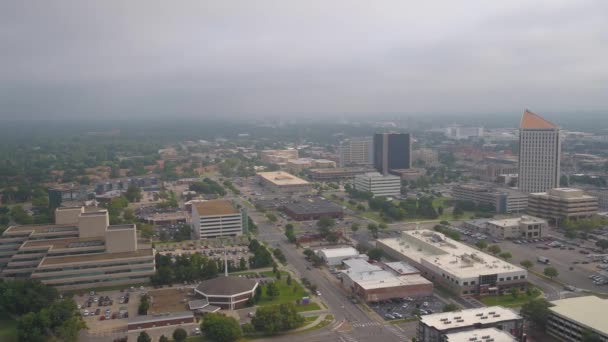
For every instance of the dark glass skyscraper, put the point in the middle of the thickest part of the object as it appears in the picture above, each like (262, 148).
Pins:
(392, 151)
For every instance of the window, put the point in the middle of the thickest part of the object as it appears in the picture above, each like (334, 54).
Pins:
(508, 278)
(465, 283)
(501, 279)
(473, 282)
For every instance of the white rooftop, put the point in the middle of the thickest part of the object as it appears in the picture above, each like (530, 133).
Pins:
(589, 311)
(401, 267)
(515, 221)
(370, 276)
(435, 250)
(480, 335)
(339, 252)
(458, 319)
(377, 175)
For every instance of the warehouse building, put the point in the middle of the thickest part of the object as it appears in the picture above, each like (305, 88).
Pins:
(81, 250)
(216, 218)
(462, 269)
(439, 327)
(280, 181)
(570, 318)
(312, 209)
(562, 204)
(373, 283)
(378, 184)
(335, 256)
(527, 227)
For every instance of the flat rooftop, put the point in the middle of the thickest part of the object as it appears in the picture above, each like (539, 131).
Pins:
(166, 216)
(377, 175)
(313, 206)
(589, 311)
(161, 317)
(515, 221)
(370, 276)
(95, 257)
(480, 335)
(339, 170)
(458, 319)
(430, 247)
(215, 207)
(563, 194)
(65, 243)
(401, 267)
(339, 252)
(282, 178)
(42, 228)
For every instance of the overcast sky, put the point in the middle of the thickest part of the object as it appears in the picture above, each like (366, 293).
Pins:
(307, 57)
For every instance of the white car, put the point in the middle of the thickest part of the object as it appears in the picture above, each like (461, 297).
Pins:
(196, 331)
(425, 304)
(318, 293)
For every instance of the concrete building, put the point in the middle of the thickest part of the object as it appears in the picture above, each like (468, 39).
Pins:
(412, 174)
(392, 151)
(480, 335)
(539, 154)
(428, 156)
(527, 227)
(373, 283)
(570, 318)
(164, 219)
(335, 256)
(312, 209)
(602, 196)
(323, 163)
(356, 152)
(459, 132)
(279, 181)
(462, 269)
(278, 156)
(437, 327)
(227, 292)
(160, 320)
(378, 184)
(562, 204)
(333, 174)
(490, 170)
(66, 193)
(81, 250)
(504, 200)
(216, 218)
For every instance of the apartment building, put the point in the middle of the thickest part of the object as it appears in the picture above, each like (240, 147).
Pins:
(216, 218)
(378, 184)
(462, 269)
(562, 204)
(570, 319)
(539, 154)
(506, 201)
(80, 250)
(356, 152)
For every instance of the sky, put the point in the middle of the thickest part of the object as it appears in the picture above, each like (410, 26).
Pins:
(313, 58)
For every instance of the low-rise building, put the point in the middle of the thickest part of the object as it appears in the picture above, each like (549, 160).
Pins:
(312, 209)
(373, 283)
(504, 200)
(528, 227)
(569, 319)
(409, 175)
(81, 250)
(227, 292)
(462, 269)
(438, 327)
(278, 156)
(378, 184)
(160, 320)
(216, 218)
(428, 156)
(280, 181)
(336, 173)
(163, 219)
(335, 256)
(480, 335)
(562, 204)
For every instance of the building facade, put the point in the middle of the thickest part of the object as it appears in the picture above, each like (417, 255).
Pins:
(562, 204)
(392, 151)
(336, 173)
(570, 319)
(356, 152)
(216, 218)
(504, 200)
(539, 154)
(312, 209)
(527, 227)
(378, 184)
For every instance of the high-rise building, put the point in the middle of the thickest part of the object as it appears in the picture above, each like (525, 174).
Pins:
(356, 151)
(392, 151)
(539, 153)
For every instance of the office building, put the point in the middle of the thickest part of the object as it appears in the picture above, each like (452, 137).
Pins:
(539, 154)
(333, 174)
(526, 227)
(392, 151)
(66, 193)
(437, 327)
(216, 218)
(409, 175)
(427, 156)
(312, 209)
(602, 196)
(569, 319)
(356, 152)
(81, 250)
(378, 184)
(373, 283)
(279, 181)
(459, 132)
(504, 200)
(278, 156)
(480, 335)
(562, 204)
(335, 256)
(462, 269)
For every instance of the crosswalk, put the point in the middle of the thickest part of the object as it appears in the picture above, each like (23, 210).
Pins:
(344, 337)
(365, 324)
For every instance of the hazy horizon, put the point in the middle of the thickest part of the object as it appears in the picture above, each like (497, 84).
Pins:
(316, 59)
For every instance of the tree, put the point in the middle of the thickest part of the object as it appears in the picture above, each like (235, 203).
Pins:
(450, 307)
(526, 264)
(144, 337)
(551, 272)
(382, 226)
(180, 335)
(494, 249)
(354, 227)
(505, 255)
(514, 292)
(590, 336)
(536, 312)
(375, 254)
(272, 290)
(274, 318)
(603, 244)
(133, 193)
(221, 328)
(457, 212)
(288, 281)
(481, 244)
(373, 229)
(271, 217)
(144, 305)
(163, 338)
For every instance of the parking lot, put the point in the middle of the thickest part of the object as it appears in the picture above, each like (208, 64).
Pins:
(107, 311)
(407, 308)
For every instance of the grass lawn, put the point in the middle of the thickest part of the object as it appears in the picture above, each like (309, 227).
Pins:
(286, 293)
(372, 215)
(441, 202)
(308, 307)
(8, 330)
(507, 299)
(311, 318)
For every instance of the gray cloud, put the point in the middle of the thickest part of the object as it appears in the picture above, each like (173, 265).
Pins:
(217, 58)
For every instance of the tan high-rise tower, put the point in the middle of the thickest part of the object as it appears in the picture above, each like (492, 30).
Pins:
(539, 154)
